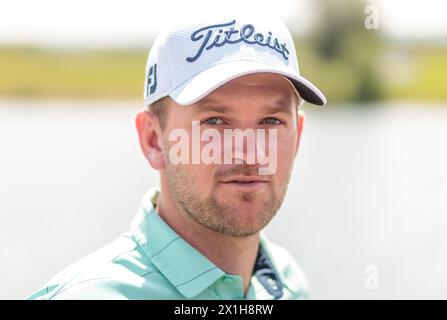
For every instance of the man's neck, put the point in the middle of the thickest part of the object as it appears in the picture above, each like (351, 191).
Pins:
(234, 255)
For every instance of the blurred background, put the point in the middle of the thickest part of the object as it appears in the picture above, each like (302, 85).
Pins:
(366, 210)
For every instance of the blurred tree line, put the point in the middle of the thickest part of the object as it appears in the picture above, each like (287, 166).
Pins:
(341, 55)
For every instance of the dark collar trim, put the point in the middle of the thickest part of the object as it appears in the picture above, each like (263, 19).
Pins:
(266, 274)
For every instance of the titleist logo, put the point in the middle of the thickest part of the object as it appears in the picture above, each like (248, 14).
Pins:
(218, 35)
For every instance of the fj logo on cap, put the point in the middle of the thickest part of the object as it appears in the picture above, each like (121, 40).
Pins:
(218, 35)
(151, 80)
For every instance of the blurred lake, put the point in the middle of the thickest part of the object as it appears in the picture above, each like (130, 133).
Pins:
(369, 190)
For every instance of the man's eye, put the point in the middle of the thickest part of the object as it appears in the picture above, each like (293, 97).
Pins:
(212, 121)
(272, 121)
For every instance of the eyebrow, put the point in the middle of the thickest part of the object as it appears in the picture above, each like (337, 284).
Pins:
(279, 106)
(210, 107)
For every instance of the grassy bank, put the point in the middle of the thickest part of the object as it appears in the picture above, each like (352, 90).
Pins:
(407, 73)
(71, 74)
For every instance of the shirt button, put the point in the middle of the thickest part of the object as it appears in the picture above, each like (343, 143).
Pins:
(272, 283)
(228, 281)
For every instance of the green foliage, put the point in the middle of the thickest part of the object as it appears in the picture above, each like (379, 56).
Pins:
(343, 45)
(71, 74)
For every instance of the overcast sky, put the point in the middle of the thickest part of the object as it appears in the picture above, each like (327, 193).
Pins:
(136, 22)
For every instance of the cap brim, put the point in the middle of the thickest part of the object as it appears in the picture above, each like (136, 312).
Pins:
(205, 82)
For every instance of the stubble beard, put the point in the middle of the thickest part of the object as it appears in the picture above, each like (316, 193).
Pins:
(216, 215)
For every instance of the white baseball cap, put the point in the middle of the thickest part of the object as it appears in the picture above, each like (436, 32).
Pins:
(190, 60)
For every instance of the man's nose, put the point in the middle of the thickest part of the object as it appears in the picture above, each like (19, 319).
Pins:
(245, 146)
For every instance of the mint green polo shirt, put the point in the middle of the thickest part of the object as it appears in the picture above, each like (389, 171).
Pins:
(151, 261)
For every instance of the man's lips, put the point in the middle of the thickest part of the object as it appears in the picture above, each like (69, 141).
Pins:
(244, 179)
(245, 183)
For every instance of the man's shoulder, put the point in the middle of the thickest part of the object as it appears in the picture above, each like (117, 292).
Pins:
(111, 272)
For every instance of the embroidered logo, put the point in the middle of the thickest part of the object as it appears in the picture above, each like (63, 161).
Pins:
(218, 35)
(151, 80)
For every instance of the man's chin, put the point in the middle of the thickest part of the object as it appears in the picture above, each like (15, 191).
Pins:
(246, 218)
(243, 208)
(240, 229)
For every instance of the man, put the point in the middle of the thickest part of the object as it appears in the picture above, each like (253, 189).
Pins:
(199, 235)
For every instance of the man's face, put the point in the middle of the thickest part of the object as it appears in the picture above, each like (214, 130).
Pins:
(234, 199)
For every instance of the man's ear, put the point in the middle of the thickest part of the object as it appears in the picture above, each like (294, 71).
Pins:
(149, 134)
(300, 124)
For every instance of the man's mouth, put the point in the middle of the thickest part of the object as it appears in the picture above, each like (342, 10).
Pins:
(245, 183)
(245, 179)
